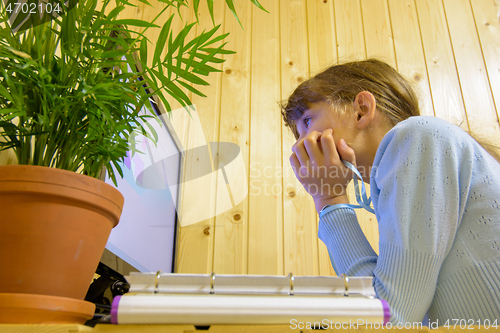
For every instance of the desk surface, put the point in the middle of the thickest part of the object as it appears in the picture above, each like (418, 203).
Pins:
(105, 328)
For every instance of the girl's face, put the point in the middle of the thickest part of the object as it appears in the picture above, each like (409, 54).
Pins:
(321, 116)
(361, 125)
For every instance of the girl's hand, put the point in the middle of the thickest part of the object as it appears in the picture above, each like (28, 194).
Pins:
(316, 162)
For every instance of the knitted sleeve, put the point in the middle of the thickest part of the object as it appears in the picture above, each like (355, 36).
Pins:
(416, 198)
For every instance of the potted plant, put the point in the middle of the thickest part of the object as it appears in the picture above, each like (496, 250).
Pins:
(72, 83)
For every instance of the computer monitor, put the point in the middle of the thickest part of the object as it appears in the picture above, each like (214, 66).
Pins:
(145, 237)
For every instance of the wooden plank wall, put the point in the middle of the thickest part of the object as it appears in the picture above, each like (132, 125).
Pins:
(449, 49)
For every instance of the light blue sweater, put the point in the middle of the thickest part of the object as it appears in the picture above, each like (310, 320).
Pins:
(436, 195)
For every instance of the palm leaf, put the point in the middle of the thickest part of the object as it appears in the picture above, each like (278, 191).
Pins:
(230, 5)
(256, 3)
(161, 40)
(192, 89)
(196, 4)
(210, 4)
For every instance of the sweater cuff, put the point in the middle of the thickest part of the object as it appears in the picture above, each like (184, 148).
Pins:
(348, 247)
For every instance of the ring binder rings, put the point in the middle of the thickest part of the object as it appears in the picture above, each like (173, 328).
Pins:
(157, 281)
(212, 282)
(206, 299)
(346, 284)
(290, 277)
(249, 284)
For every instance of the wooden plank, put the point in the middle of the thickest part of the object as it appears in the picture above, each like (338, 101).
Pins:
(196, 242)
(231, 236)
(300, 243)
(378, 31)
(129, 328)
(322, 54)
(486, 15)
(321, 35)
(474, 82)
(438, 52)
(351, 42)
(44, 328)
(409, 51)
(106, 328)
(265, 219)
(349, 30)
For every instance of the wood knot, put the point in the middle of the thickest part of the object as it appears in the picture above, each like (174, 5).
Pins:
(291, 194)
(300, 79)
(206, 231)
(290, 63)
(487, 24)
(237, 219)
(417, 77)
(228, 71)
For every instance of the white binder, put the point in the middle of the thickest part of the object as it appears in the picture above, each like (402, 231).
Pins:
(210, 299)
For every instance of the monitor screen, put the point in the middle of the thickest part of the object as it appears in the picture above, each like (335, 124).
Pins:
(145, 237)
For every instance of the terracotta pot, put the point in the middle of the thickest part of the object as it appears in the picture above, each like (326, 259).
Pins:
(54, 225)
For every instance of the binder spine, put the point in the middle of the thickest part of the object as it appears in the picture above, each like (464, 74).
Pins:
(178, 309)
(114, 309)
(387, 312)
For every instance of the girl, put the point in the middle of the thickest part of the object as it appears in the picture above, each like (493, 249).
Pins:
(435, 193)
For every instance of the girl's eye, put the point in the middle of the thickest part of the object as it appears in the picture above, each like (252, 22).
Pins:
(306, 121)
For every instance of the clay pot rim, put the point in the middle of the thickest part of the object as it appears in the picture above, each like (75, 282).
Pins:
(35, 180)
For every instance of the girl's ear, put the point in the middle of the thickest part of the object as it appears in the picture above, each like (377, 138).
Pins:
(364, 106)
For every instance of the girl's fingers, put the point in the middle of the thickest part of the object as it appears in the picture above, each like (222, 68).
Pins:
(346, 152)
(300, 152)
(307, 149)
(294, 161)
(312, 147)
(329, 148)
